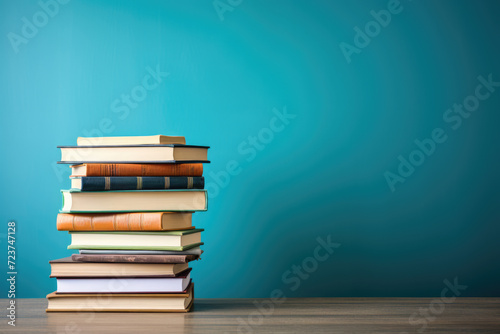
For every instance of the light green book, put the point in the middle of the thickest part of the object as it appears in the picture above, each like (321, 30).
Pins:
(163, 240)
(75, 201)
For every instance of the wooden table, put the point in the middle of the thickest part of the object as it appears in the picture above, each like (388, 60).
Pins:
(305, 315)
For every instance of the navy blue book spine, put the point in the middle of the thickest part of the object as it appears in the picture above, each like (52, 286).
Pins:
(99, 183)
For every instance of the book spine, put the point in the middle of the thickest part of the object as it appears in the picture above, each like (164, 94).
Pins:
(110, 222)
(99, 183)
(144, 169)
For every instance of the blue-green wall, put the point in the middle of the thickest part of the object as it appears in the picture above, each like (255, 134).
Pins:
(320, 172)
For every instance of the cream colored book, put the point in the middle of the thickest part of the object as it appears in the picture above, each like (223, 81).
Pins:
(130, 140)
(169, 153)
(75, 201)
(121, 302)
(164, 240)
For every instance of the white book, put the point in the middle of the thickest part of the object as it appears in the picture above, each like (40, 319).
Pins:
(123, 285)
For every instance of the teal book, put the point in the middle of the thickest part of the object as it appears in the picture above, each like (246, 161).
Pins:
(75, 201)
(164, 240)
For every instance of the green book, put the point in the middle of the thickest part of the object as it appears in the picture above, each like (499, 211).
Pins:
(75, 201)
(163, 240)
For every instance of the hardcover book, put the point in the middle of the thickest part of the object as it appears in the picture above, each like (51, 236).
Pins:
(165, 240)
(75, 201)
(97, 183)
(192, 251)
(131, 258)
(124, 285)
(140, 154)
(135, 221)
(130, 140)
(121, 302)
(67, 267)
(137, 170)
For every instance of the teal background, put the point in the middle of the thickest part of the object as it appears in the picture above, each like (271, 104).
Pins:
(322, 175)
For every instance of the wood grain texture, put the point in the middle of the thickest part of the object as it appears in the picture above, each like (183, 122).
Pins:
(304, 315)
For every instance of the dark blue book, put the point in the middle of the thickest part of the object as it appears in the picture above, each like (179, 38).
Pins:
(98, 183)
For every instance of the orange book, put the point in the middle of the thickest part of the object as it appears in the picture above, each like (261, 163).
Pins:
(136, 221)
(137, 170)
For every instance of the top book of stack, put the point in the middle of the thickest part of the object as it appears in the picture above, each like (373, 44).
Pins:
(142, 149)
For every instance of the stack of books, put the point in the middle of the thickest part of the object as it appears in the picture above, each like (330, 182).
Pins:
(129, 213)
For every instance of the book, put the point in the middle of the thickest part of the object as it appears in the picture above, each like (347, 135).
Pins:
(192, 251)
(121, 302)
(134, 221)
(75, 201)
(103, 183)
(137, 258)
(124, 285)
(165, 240)
(130, 140)
(137, 170)
(67, 267)
(134, 154)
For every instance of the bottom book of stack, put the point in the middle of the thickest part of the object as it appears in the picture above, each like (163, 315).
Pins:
(122, 283)
(121, 302)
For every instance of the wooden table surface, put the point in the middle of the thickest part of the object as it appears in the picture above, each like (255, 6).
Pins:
(302, 315)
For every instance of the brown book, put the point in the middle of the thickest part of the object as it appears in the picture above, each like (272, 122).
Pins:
(66, 267)
(139, 258)
(121, 302)
(137, 170)
(136, 221)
